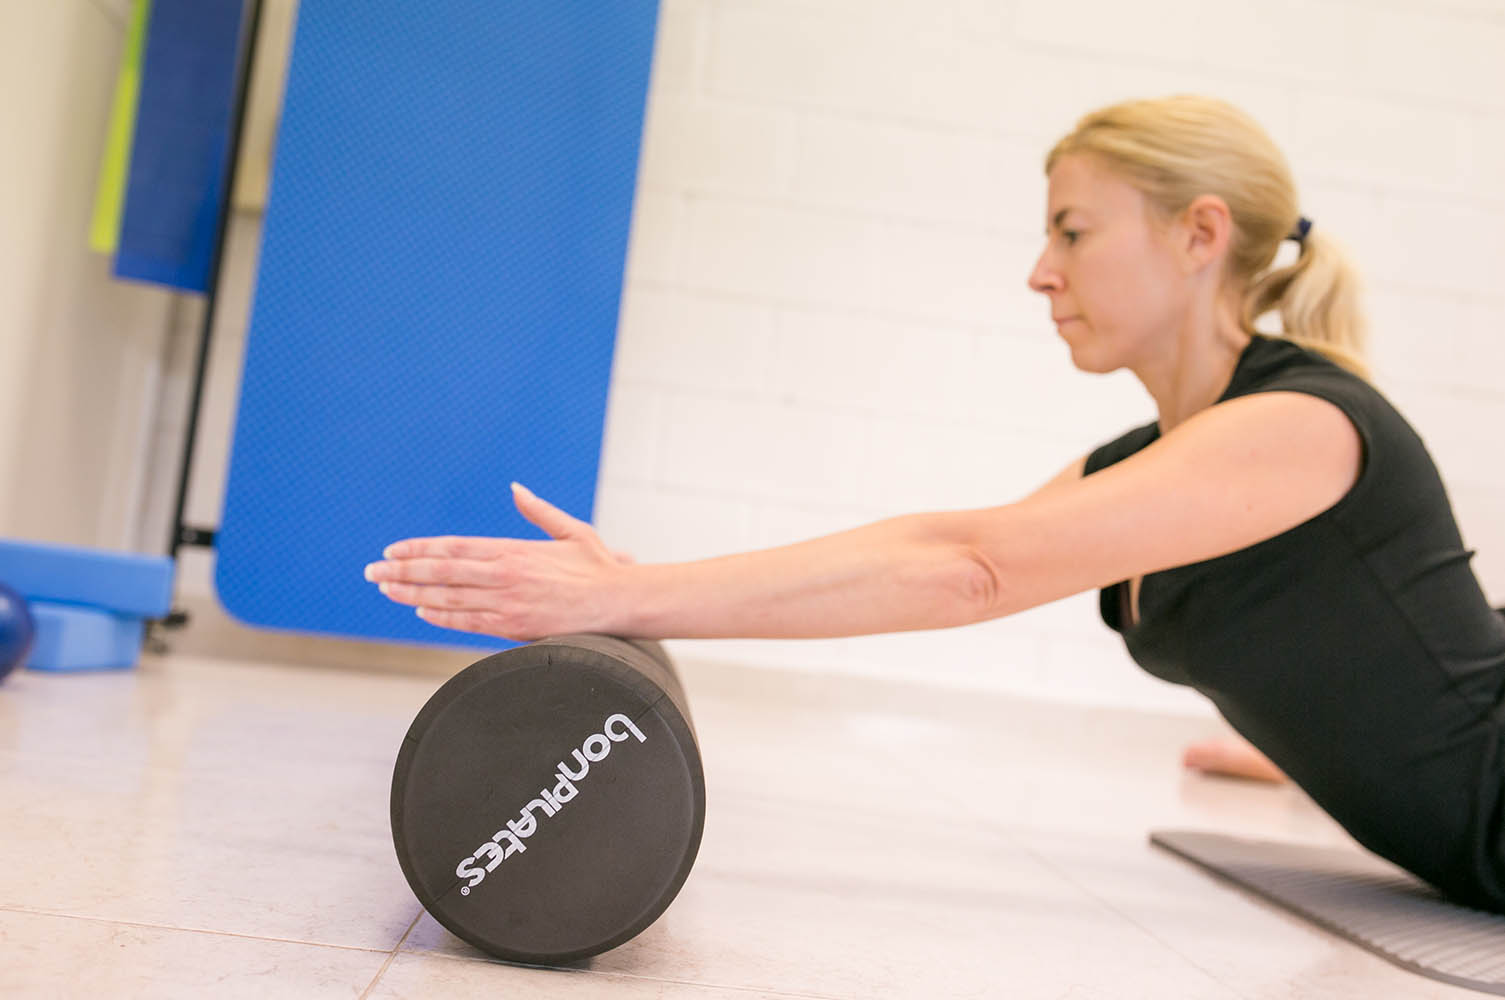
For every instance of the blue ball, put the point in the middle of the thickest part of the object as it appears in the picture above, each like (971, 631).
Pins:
(17, 630)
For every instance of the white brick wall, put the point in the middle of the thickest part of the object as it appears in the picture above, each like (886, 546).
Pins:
(826, 320)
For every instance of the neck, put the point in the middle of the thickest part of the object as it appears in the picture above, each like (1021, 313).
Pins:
(1193, 366)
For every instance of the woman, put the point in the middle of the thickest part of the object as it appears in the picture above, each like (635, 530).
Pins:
(1278, 538)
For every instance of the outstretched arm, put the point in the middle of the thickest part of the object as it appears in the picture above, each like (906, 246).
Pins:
(1233, 475)
(896, 575)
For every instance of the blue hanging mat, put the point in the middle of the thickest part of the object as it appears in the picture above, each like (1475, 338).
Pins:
(437, 297)
(178, 169)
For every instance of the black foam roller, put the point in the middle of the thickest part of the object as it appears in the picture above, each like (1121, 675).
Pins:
(548, 801)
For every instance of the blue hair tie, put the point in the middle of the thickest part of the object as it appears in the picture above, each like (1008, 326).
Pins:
(1303, 226)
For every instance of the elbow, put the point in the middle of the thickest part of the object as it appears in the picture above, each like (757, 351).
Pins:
(983, 587)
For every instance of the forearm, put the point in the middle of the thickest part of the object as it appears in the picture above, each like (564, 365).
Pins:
(897, 575)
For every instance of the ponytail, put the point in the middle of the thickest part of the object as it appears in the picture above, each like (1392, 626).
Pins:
(1317, 298)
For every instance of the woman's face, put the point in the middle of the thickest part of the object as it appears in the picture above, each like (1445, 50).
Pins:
(1115, 288)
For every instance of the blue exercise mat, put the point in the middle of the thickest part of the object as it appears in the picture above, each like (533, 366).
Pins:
(437, 296)
(179, 167)
(1358, 896)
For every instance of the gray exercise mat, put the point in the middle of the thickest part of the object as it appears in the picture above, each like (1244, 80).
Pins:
(1362, 898)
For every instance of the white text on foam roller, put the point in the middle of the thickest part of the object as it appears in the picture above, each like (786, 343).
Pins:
(595, 748)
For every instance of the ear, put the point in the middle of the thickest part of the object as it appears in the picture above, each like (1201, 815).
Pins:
(1205, 231)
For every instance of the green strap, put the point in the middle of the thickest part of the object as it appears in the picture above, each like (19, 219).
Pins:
(109, 197)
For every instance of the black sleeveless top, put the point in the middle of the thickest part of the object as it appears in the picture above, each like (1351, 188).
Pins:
(1356, 650)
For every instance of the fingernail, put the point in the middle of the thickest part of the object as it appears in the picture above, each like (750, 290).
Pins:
(521, 488)
(371, 571)
(421, 612)
(383, 588)
(387, 552)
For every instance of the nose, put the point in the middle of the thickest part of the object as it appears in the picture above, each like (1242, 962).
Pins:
(1045, 278)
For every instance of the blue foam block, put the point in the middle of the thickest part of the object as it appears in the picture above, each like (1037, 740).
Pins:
(125, 583)
(77, 638)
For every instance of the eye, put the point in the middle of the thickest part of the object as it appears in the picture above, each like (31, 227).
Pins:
(1070, 235)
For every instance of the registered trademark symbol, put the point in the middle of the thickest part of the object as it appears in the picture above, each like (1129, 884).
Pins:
(465, 890)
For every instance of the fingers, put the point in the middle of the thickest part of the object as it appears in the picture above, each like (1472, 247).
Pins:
(484, 622)
(446, 571)
(463, 609)
(440, 598)
(545, 515)
(555, 522)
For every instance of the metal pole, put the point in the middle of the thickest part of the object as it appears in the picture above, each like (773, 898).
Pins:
(181, 533)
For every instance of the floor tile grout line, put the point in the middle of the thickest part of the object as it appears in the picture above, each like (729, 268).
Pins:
(480, 959)
(391, 956)
(760, 990)
(1189, 960)
(393, 953)
(1004, 834)
(38, 912)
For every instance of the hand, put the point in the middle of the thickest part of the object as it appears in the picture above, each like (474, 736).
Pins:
(509, 587)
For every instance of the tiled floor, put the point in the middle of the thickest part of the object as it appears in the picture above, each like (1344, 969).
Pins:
(205, 828)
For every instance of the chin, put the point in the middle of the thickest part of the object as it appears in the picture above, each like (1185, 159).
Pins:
(1092, 354)
(1085, 360)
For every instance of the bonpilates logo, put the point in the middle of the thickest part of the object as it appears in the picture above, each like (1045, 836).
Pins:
(509, 839)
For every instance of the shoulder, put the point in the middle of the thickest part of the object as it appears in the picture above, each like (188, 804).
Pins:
(1279, 366)
(1240, 472)
(1303, 390)
(1244, 470)
(1307, 440)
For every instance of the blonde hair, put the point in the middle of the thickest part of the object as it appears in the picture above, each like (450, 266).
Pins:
(1174, 149)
